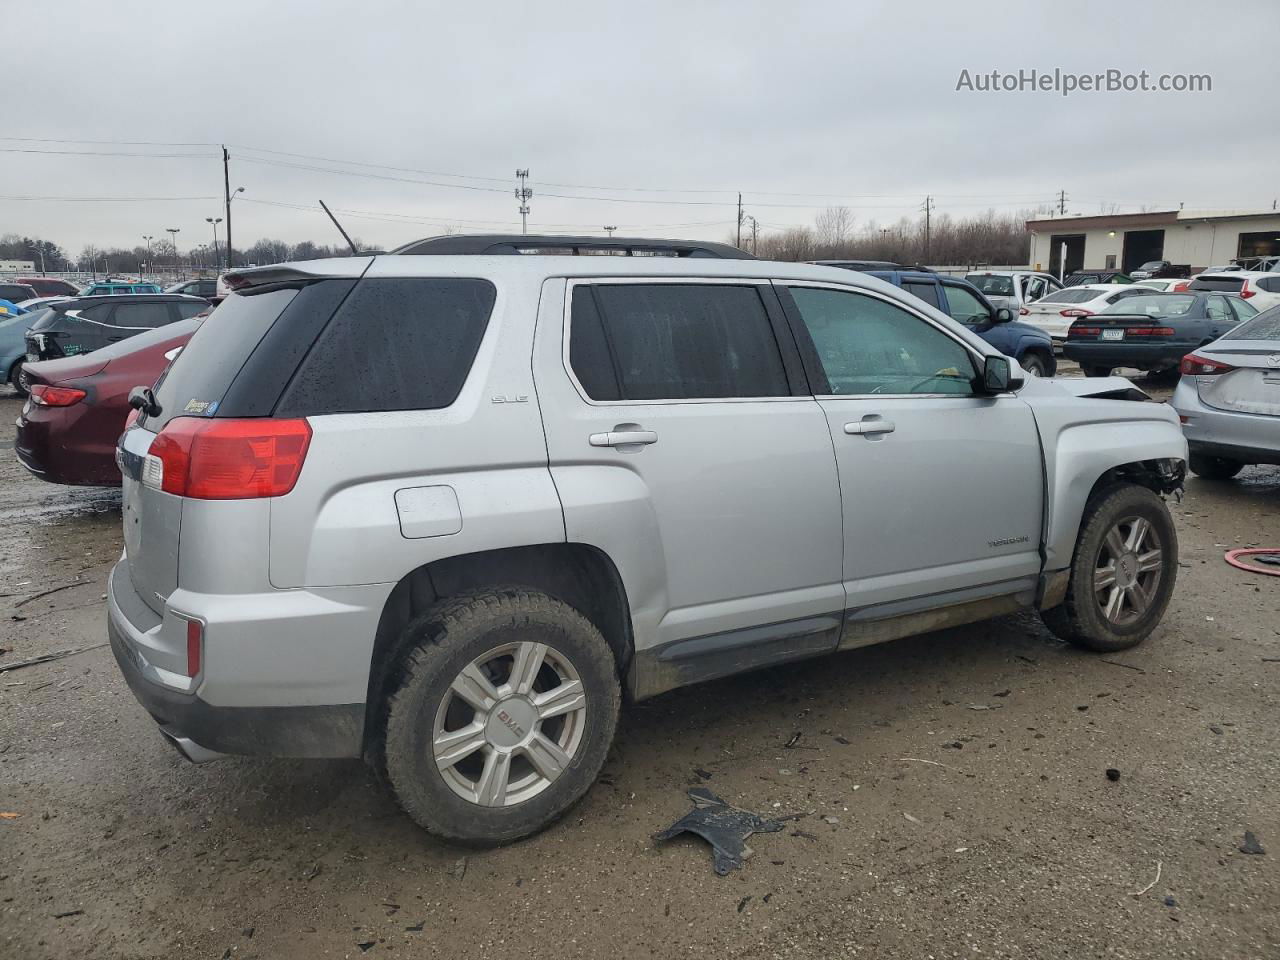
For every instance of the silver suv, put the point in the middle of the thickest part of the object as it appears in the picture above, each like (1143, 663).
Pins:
(447, 512)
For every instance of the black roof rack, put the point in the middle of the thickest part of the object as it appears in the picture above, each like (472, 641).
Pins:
(551, 245)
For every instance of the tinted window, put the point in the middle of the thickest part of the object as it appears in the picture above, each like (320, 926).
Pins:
(16, 292)
(589, 351)
(394, 344)
(186, 310)
(1156, 305)
(1222, 284)
(1269, 284)
(926, 291)
(201, 374)
(965, 307)
(866, 346)
(1265, 326)
(684, 341)
(172, 332)
(141, 315)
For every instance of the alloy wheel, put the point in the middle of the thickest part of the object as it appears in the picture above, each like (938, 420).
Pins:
(510, 724)
(1127, 574)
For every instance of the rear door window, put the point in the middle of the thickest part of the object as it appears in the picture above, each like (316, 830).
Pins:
(145, 315)
(926, 290)
(674, 342)
(394, 344)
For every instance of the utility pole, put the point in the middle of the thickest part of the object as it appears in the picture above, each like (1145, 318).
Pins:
(928, 210)
(1062, 202)
(226, 192)
(609, 230)
(755, 230)
(523, 194)
(149, 238)
(739, 244)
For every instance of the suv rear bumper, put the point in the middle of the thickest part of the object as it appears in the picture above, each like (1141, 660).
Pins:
(199, 728)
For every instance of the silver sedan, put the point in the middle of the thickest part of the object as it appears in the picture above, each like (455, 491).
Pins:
(1229, 399)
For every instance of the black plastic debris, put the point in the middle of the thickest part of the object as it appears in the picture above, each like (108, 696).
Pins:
(1113, 774)
(1251, 844)
(726, 828)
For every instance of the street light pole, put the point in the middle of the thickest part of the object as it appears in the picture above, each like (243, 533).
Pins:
(148, 238)
(213, 222)
(173, 232)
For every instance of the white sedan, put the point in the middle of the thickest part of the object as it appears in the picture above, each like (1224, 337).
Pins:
(1056, 312)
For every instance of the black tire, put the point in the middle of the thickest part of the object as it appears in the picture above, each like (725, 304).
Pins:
(1213, 468)
(15, 378)
(1080, 619)
(1096, 370)
(439, 645)
(1034, 365)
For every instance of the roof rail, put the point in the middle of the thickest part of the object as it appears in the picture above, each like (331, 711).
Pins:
(499, 244)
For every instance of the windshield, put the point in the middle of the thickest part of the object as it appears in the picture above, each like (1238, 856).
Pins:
(1265, 326)
(1153, 305)
(992, 284)
(1072, 295)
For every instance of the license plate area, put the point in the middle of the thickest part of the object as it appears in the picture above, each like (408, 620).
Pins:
(1112, 334)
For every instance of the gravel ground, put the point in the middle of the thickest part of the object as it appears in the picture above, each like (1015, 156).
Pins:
(1010, 842)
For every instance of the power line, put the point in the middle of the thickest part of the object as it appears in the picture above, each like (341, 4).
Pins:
(106, 153)
(107, 199)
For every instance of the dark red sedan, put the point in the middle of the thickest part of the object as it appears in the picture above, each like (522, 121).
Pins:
(77, 406)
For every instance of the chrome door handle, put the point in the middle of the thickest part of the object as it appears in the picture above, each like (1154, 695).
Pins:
(870, 426)
(620, 438)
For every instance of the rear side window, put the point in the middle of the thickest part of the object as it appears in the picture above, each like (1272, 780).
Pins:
(1269, 284)
(394, 344)
(928, 292)
(674, 342)
(147, 315)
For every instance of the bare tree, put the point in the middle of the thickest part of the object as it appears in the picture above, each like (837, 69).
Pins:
(833, 227)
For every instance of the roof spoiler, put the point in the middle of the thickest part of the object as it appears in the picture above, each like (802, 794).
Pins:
(338, 267)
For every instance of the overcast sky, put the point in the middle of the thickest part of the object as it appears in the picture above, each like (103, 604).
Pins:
(843, 102)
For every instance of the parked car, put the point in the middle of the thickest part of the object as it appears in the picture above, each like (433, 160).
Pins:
(1055, 313)
(1151, 333)
(1259, 288)
(1229, 399)
(1160, 269)
(13, 347)
(17, 292)
(1013, 288)
(960, 300)
(1095, 277)
(204, 287)
(86, 324)
(50, 286)
(116, 288)
(78, 406)
(441, 515)
(1164, 285)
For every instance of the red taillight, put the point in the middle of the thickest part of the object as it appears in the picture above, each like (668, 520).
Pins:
(1149, 332)
(43, 395)
(1076, 312)
(1075, 331)
(230, 459)
(1180, 287)
(1194, 365)
(195, 647)
(1023, 311)
(1246, 291)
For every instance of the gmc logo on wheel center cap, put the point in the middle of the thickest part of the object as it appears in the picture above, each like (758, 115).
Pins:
(509, 723)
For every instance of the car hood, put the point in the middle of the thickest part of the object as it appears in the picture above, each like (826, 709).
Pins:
(1096, 388)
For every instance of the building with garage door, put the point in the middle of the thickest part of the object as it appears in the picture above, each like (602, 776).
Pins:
(1125, 241)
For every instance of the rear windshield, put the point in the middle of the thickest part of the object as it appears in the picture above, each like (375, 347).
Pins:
(1153, 305)
(40, 319)
(993, 285)
(199, 377)
(1221, 284)
(1265, 326)
(1072, 295)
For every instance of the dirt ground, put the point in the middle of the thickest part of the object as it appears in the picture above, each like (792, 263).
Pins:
(1010, 841)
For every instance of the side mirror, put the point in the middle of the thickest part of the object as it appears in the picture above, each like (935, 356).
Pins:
(1003, 315)
(143, 400)
(997, 375)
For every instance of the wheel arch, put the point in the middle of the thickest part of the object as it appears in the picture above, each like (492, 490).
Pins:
(581, 575)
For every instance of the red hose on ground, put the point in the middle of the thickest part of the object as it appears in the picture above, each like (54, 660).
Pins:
(1232, 557)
